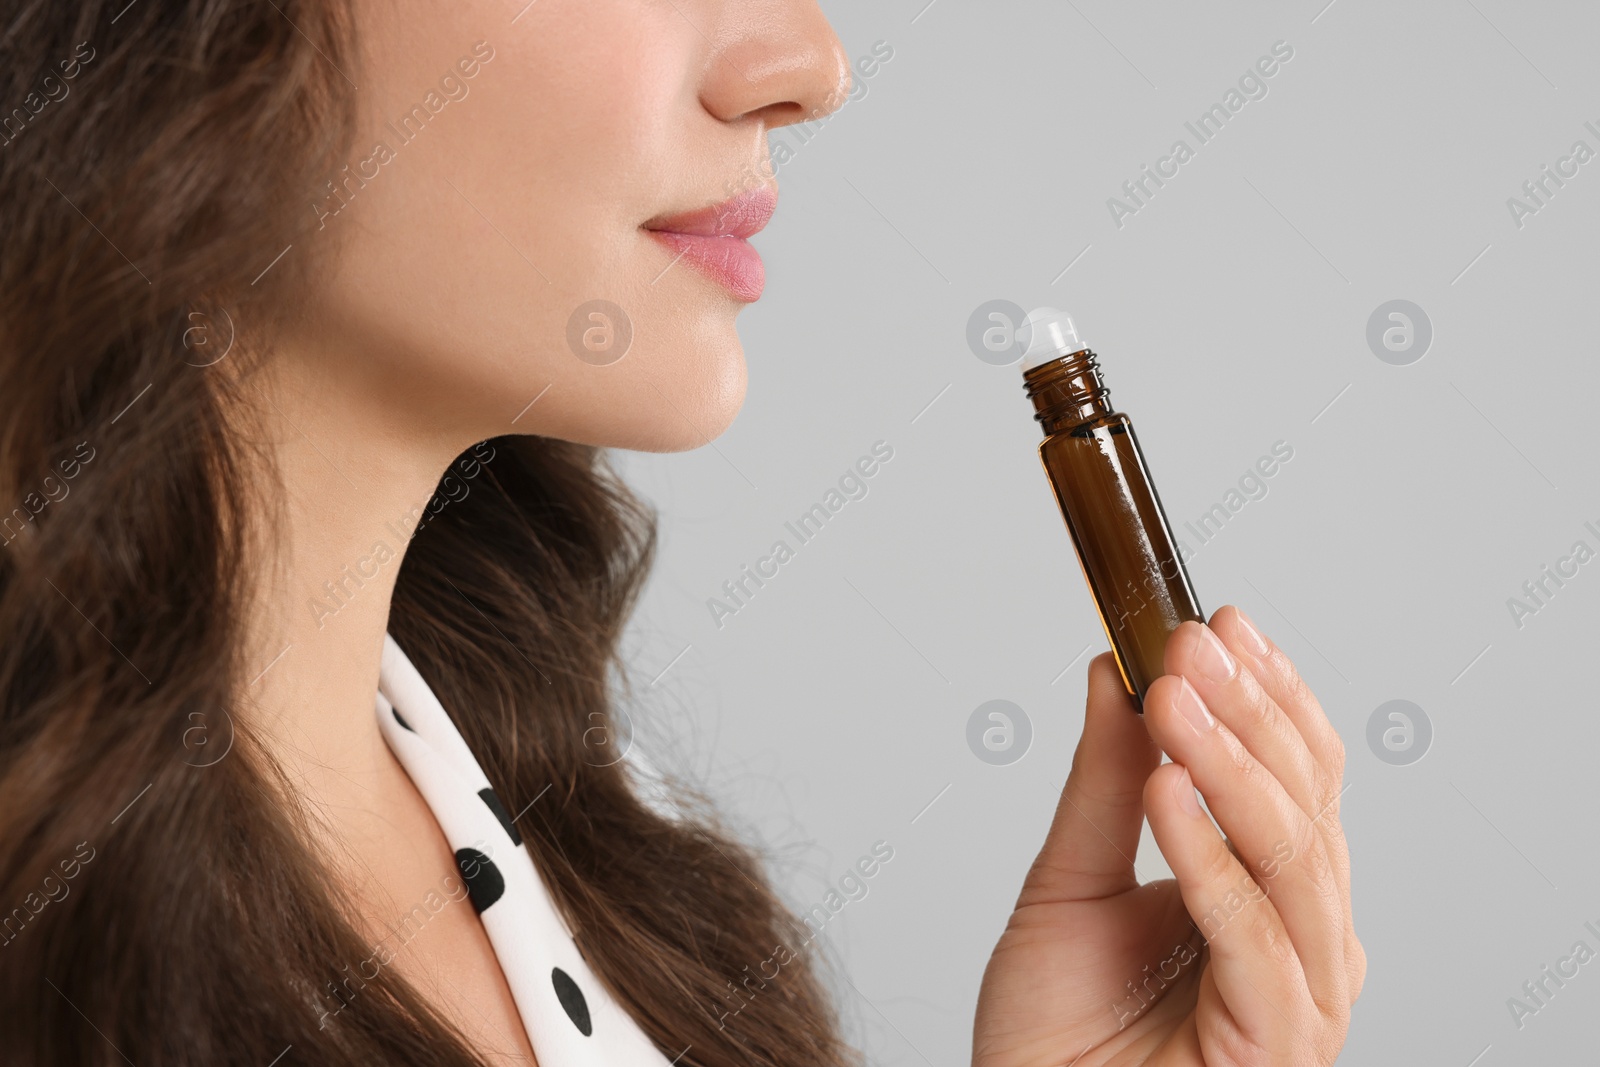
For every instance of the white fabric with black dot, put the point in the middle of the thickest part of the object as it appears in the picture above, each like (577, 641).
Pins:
(569, 1017)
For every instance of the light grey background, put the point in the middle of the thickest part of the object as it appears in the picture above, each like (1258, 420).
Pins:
(1230, 313)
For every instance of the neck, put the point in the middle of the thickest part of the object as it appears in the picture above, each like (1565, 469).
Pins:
(354, 481)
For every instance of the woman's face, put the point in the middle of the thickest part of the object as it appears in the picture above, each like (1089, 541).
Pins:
(539, 204)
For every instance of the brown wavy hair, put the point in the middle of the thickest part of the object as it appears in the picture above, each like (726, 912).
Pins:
(156, 908)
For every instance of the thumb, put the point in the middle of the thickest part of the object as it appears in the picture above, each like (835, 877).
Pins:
(1090, 848)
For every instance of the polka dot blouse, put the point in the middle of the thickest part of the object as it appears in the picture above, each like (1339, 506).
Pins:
(570, 1019)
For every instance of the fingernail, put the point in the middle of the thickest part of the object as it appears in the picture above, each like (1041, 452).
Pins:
(1252, 637)
(1211, 659)
(1184, 787)
(1193, 709)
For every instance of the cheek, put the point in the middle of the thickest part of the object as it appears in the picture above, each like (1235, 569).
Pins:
(463, 262)
(578, 131)
(555, 156)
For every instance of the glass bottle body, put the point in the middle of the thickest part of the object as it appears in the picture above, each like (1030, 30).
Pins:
(1102, 484)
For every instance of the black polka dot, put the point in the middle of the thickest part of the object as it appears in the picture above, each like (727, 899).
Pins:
(485, 883)
(500, 812)
(399, 719)
(571, 998)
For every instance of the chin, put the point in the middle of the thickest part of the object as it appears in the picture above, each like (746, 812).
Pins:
(676, 405)
(704, 400)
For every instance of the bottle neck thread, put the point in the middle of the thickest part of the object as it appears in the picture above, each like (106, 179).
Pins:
(1067, 392)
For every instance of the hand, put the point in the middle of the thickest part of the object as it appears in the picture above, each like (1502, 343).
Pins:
(1249, 957)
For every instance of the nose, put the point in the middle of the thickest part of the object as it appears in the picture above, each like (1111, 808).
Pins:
(776, 61)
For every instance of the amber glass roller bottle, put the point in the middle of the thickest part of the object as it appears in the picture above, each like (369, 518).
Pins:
(1103, 486)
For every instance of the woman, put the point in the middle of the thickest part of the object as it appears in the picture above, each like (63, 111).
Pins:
(312, 328)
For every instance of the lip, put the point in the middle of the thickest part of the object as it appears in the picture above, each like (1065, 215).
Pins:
(713, 240)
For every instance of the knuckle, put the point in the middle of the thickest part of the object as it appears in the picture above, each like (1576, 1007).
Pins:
(1227, 1045)
(1356, 963)
(1250, 702)
(1336, 750)
(1299, 691)
(1311, 853)
(1338, 1020)
(1320, 873)
(1219, 864)
(1243, 766)
(1326, 793)
(1327, 875)
(1273, 941)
